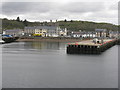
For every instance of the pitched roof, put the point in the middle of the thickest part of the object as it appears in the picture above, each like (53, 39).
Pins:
(42, 27)
(13, 30)
(100, 30)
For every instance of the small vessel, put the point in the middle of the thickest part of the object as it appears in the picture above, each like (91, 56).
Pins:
(1, 41)
(9, 38)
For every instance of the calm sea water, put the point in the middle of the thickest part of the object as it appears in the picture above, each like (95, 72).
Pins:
(46, 65)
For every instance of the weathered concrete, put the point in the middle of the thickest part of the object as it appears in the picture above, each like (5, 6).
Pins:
(88, 47)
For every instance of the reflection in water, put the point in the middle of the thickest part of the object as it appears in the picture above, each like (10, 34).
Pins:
(46, 45)
(37, 45)
(46, 65)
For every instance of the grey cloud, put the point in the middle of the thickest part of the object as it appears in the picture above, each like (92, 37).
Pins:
(105, 14)
(11, 8)
(42, 7)
(82, 7)
(54, 10)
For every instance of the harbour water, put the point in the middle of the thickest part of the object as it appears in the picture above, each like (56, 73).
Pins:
(46, 65)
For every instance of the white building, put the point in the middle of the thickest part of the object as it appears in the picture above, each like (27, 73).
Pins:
(14, 32)
(45, 31)
(101, 33)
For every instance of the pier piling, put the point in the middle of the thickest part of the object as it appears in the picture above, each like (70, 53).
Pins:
(88, 47)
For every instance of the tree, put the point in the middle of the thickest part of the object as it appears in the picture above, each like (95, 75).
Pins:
(5, 19)
(65, 20)
(18, 19)
(71, 21)
(25, 22)
(50, 20)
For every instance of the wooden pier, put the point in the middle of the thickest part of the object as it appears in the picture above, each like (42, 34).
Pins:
(88, 47)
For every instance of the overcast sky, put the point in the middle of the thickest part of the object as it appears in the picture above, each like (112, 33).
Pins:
(99, 11)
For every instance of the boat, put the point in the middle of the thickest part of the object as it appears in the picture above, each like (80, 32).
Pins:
(9, 38)
(1, 41)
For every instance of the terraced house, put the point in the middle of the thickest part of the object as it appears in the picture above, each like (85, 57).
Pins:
(14, 32)
(45, 31)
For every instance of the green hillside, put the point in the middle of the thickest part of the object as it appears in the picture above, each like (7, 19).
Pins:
(86, 26)
(15, 24)
(70, 25)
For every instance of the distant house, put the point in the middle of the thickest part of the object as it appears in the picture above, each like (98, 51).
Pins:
(76, 34)
(113, 34)
(28, 31)
(101, 33)
(45, 31)
(52, 31)
(82, 34)
(88, 34)
(63, 32)
(14, 32)
(39, 31)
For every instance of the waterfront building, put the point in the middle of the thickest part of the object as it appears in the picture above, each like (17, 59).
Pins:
(13, 32)
(45, 31)
(40, 32)
(28, 31)
(88, 34)
(52, 31)
(101, 33)
(114, 34)
(76, 34)
(82, 34)
(63, 32)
